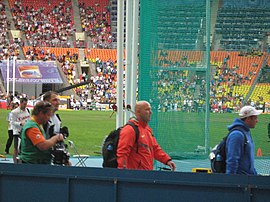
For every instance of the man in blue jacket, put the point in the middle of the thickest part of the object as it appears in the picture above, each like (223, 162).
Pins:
(240, 150)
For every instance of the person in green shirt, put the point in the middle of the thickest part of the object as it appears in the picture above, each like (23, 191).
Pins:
(35, 148)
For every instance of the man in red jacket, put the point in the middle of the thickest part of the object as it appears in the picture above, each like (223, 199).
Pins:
(148, 149)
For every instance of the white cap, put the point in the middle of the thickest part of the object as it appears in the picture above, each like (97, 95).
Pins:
(247, 111)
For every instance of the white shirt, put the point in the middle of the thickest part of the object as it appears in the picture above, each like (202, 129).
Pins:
(18, 118)
(9, 121)
(56, 122)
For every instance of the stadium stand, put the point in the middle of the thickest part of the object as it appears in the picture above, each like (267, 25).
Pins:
(51, 53)
(241, 32)
(182, 30)
(95, 22)
(9, 46)
(242, 28)
(102, 54)
(43, 23)
(231, 81)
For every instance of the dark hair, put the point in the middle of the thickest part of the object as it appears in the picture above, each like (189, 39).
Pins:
(47, 96)
(23, 99)
(43, 107)
(14, 105)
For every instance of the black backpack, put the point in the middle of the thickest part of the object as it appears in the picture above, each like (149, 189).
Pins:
(218, 154)
(109, 147)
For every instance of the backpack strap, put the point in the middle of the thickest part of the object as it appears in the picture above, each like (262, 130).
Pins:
(28, 110)
(136, 129)
(57, 115)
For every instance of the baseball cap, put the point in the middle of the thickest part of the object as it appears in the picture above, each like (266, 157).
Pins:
(247, 111)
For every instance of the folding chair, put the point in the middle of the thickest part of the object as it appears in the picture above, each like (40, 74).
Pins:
(81, 158)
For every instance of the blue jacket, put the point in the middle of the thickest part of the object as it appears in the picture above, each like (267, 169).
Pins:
(240, 157)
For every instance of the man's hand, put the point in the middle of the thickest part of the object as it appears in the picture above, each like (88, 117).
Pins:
(68, 163)
(171, 164)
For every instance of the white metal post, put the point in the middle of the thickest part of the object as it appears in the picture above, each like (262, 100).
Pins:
(13, 76)
(8, 75)
(134, 51)
(120, 44)
(128, 79)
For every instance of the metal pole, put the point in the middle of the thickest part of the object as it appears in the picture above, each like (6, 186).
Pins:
(128, 79)
(8, 75)
(207, 113)
(134, 51)
(13, 77)
(120, 42)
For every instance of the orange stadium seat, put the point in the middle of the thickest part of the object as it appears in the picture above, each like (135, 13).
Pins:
(57, 51)
(103, 54)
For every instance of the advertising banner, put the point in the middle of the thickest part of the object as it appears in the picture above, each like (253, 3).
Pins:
(35, 72)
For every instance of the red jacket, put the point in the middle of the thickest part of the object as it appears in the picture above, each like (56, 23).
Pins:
(148, 150)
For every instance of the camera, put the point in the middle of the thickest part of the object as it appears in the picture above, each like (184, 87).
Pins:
(60, 153)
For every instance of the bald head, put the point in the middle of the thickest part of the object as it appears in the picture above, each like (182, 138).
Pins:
(140, 104)
(143, 111)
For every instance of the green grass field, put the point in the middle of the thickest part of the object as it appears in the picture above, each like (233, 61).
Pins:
(88, 128)
(180, 133)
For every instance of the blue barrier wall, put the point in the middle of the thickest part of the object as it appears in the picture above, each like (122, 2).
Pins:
(53, 183)
(247, 3)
